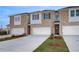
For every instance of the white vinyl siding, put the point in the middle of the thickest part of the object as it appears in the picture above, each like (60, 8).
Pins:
(17, 20)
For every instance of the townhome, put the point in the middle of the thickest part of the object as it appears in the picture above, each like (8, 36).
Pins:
(44, 22)
(70, 20)
(64, 21)
(19, 24)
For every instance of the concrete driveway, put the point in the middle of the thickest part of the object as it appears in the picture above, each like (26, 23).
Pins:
(72, 42)
(27, 44)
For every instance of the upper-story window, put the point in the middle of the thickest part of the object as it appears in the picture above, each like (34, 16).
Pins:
(57, 16)
(17, 20)
(47, 16)
(35, 16)
(72, 13)
(77, 12)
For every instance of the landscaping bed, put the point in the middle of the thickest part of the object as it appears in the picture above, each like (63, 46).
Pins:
(53, 44)
(11, 37)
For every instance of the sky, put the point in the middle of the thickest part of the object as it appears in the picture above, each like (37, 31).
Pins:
(6, 11)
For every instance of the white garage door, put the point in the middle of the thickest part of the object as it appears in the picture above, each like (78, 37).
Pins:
(17, 31)
(41, 31)
(71, 30)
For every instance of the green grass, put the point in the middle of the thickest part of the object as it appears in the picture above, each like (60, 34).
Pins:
(49, 46)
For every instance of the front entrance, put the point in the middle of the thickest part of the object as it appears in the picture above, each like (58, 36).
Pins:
(56, 29)
(28, 29)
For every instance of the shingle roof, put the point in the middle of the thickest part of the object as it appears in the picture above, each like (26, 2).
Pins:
(31, 12)
(69, 7)
(19, 14)
(46, 10)
(41, 11)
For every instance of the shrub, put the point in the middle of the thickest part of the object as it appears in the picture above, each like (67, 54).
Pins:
(3, 32)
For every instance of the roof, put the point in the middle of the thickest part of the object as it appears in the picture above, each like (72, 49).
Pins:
(41, 11)
(19, 14)
(69, 7)
(46, 10)
(32, 12)
(73, 7)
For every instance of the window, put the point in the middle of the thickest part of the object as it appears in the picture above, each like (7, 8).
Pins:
(17, 18)
(57, 16)
(46, 15)
(77, 12)
(35, 17)
(72, 13)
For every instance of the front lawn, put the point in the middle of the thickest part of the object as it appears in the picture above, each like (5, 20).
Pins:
(53, 44)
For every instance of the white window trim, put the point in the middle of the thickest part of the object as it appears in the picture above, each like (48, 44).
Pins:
(70, 12)
(35, 14)
(36, 21)
(46, 16)
(75, 12)
(19, 22)
(74, 18)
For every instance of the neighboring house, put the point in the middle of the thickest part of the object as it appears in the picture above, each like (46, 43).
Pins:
(70, 20)
(61, 22)
(35, 23)
(19, 24)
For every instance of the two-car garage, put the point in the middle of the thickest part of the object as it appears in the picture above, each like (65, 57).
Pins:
(34, 30)
(17, 31)
(70, 30)
(41, 31)
(67, 30)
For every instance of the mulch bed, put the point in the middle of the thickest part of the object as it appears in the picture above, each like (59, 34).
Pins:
(58, 37)
(10, 38)
(56, 45)
(55, 37)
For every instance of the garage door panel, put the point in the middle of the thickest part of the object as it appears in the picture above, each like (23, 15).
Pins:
(17, 31)
(41, 31)
(71, 30)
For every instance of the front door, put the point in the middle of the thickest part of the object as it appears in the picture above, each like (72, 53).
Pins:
(57, 29)
(28, 29)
